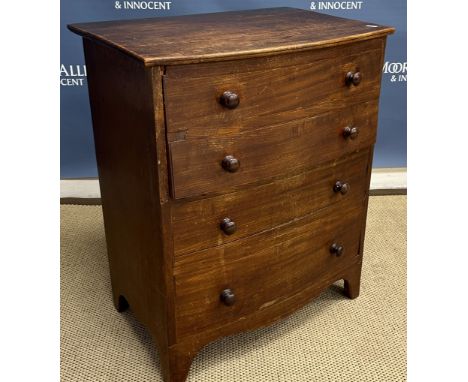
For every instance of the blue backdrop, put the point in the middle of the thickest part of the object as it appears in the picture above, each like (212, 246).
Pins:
(77, 151)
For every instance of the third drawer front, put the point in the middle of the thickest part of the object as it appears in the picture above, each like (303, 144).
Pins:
(219, 165)
(204, 223)
(228, 283)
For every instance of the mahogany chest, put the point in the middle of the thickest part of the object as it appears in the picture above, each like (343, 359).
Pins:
(234, 154)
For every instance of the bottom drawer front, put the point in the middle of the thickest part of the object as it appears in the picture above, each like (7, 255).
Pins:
(259, 271)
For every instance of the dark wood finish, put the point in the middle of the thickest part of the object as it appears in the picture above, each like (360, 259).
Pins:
(351, 132)
(234, 167)
(278, 310)
(353, 78)
(228, 35)
(341, 187)
(263, 269)
(268, 205)
(122, 93)
(352, 281)
(230, 164)
(336, 249)
(282, 90)
(229, 99)
(227, 297)
(267, 153)
(228, 226)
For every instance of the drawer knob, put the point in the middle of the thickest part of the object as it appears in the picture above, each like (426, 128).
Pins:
(353, 78)
(336, 249)
(350, 132)
(230, 163)
(229, 99)
(228, 226)
(341, 187)
(227, 297)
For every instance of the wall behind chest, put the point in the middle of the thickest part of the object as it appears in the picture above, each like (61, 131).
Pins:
(77, 147)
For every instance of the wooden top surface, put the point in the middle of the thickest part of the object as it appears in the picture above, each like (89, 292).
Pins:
(227, 35)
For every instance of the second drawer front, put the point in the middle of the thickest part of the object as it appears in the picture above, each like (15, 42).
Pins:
(199, 167)
(264, 269)
(218, 220)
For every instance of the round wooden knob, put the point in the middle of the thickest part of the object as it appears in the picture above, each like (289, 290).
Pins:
(230, 163)
(229, 99)
(350, 132)
(341, 187)
(353, 78)
(228, 226)
(227, 297)
(336, 249)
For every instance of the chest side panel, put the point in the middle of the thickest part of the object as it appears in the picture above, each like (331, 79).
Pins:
(126, 123)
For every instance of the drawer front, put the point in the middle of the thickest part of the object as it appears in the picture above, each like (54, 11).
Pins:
(264, 269)
(198, 166)
(200, 224)
(270, 90)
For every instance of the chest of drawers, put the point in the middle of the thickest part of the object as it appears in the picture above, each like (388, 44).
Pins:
(234, 154)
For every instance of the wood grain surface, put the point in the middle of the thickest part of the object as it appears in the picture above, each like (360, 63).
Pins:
(265, 93)
(196, 223)
(273, 151)
(192, 343)
(227, 35)
(285, 89)
(121, 93)
(263, 269)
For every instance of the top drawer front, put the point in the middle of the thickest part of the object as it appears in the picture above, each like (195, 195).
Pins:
(271, 90)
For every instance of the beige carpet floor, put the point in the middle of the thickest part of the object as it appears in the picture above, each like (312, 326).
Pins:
(332, 339)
